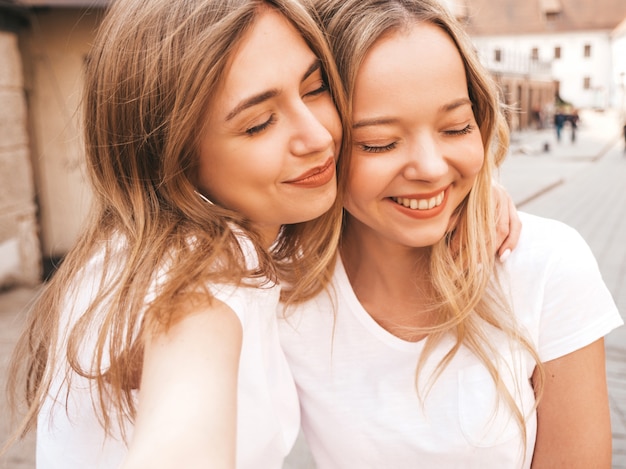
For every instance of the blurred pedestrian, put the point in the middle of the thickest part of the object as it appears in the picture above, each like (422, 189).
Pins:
(573, 119)
(559, 122)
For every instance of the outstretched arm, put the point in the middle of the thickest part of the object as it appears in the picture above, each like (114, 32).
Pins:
(187, 408)
(573, 419)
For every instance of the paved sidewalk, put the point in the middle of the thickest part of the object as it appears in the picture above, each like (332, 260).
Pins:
(12, 303)
(581, 183)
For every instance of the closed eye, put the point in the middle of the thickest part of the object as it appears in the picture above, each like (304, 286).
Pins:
(323, 88)
(261, 127)
(378, 149)
(469, 128)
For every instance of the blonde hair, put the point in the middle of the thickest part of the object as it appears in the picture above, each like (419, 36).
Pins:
(149, 80)
(462, 265)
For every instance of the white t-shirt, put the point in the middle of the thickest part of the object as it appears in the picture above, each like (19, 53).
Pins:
(267, 406)
(356, 381)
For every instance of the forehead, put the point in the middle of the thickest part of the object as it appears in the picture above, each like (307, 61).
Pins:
(423, 47)
(414, 65)
(272, 54)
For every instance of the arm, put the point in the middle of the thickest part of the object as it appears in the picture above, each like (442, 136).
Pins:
(187, 408)
(508, 224)
(573, 419)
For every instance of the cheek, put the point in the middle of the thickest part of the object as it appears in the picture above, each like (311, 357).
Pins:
(473, 160)
(359, 177)
(352, 187)
(326, 113)
(206, 169)
(367, 180)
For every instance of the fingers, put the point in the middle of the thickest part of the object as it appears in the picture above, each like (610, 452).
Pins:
(508, 223)
(513, 227)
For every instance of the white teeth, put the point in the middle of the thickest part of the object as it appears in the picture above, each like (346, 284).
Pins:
(420, 204)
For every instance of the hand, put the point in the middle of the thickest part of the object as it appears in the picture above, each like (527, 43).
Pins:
(508, 224)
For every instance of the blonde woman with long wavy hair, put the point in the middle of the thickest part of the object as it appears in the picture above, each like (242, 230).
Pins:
(212, 140)
(428, 352)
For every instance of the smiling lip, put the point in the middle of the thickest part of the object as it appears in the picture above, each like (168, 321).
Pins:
(317, 176)
(431, 204)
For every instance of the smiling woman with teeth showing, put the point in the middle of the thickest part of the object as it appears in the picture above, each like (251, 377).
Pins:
(426, 352)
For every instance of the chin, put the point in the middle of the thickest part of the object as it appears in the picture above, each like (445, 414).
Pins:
(423, 239)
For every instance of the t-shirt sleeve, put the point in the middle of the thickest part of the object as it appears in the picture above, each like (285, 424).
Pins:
(577, 308)
(230, 294)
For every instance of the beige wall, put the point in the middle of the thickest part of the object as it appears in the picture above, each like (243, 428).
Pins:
(19, 243)
(54, 47)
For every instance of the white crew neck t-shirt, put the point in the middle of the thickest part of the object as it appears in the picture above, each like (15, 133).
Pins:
(356, 381)
(267, 405)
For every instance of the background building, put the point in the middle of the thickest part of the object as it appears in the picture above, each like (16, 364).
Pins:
(534, 48)
(580, 41)
(19, 238)
(618, 40)
(43, 195)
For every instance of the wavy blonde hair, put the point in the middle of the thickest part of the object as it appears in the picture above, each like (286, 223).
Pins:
(462, 265)
(150, 78)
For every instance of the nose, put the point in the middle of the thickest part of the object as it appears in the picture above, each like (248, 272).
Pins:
(312, 132)
(425, 160)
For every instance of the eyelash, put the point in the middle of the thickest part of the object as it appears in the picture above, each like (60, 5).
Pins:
(375, 149)
(322, 89)
(381, 149)
(261, 127)
(464, 131)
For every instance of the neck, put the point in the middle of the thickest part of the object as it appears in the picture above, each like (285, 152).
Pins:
(268, 235)
(391, 281)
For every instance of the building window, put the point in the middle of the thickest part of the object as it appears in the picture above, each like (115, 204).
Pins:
(534, 53)
(552, 16)
(587, 83)
(587, 51)
(497, 55)
(557, 52)
(551, 9)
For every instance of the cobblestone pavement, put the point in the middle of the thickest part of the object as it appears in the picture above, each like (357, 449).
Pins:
(581, 183)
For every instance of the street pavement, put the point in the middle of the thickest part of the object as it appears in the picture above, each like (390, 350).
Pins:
(581, 183)
(584, 185)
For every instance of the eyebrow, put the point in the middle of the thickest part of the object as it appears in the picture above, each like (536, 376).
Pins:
(390, 120)
(455, 104)
(268, 94)
(373, 122)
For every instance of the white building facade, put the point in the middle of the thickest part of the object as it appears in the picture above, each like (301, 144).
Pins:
(618, 49)
(582, 62)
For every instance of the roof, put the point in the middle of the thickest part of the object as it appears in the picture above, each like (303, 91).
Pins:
(63, 3)
(620, 30)
(496, 17)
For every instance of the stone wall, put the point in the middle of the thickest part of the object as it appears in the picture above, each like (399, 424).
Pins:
(20, 252)
(54, 47)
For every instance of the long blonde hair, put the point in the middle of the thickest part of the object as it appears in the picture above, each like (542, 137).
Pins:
(462, 265)
(149, 81)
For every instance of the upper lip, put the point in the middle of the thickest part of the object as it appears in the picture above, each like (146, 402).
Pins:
(313, 171)
(423, 195)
